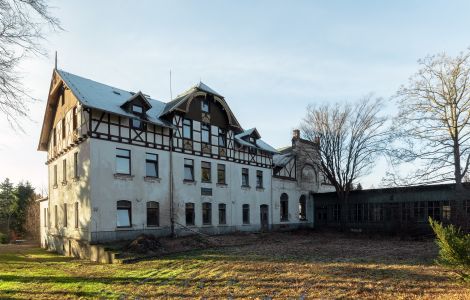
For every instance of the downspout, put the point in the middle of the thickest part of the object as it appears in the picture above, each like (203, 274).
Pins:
(172, 219)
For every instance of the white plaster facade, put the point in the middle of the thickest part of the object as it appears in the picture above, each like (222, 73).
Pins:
(91, 186)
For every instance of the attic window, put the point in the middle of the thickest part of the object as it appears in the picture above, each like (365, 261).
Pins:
(205, 105)
(137, 109)
(252, 140)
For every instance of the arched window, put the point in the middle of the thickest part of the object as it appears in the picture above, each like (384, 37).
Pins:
(284, 207)
(153, 214)
(303, 208)
(124, 213)
(308, 174)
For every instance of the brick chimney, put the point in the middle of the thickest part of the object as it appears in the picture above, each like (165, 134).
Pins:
(296, 134)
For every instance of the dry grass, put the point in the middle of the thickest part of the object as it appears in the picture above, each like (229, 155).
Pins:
(278, 266)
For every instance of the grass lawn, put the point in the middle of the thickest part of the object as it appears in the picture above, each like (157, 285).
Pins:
(303, 265)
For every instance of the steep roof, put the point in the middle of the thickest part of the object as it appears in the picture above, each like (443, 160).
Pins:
(104, 97)
(260, 144)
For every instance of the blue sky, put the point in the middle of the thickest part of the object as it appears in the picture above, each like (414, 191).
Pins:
(270, 59)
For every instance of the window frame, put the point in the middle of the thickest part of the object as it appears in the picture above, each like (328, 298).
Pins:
(77, 220)
(55, 179)
(221, 170)
(137, 112)
(206, 213)
(65, 216)
(246, 214)
(206, 167)
(245, 174)
(190, 167)
(205, 102)
(74, 118)
(133, 125)
(205, 130)
(222, 137)
(222, 207)
(259, 183)
(284, 208)
(64, 171)
(120, 156)
(127, 206)
(76, 174)
(189, 127)
(303, 208)
(154, 162)
(190, 206)
(155, 210)
(64, 126)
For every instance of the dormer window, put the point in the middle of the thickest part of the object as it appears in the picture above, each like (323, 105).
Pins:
(252, 140)
(137, 109)
(205, 105)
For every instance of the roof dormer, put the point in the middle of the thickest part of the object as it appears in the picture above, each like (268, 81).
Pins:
(137, 104)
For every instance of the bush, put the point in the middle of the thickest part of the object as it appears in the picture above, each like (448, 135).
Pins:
(454, 248)
(3, 238)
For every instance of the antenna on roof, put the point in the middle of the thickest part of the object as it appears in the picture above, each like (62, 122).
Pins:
(55, 61)
(171, 93)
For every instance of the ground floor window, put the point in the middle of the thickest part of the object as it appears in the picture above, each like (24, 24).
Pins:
(189, 214)
(434, 210)
(336, 213)
(284, 207)
(419, 211)
(153, 214)
(76, 215)
(124, 213)
(406, 208)
(302, 208)
(246, 214)
(377, 212)
(222, 214)
(206, 213)
(446, 211)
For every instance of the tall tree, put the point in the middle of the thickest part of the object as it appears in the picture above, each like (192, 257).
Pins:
(22, 24)
(350, 137)
(8, 201)
(432, 125)
(24, 193)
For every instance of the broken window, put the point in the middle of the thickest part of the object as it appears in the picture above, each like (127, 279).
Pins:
(206, 213)
(189, 210)
(205, 171)
(153, 214)
(284, 207)
(124, 213)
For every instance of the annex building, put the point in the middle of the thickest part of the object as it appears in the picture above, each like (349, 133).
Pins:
(121, 163)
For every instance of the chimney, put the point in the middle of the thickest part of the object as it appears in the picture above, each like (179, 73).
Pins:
(296, 134)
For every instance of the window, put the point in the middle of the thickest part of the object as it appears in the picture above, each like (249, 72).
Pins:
(124, 213)
(446, 211)
(63, 128)
(76, 215)
(45, 217)
(65, 215)
(302, 208)
(259, 179)
(123, 161)
(187, 129)
(189, 209)
(64, 171)
(205, 105)
(406, 211)
(336, 212)
(245, 177)
(222, 214)
(188, 169)
(62, 98)
(246, 214)
(153, 214)
(284, 207)
(467, 207)
(377, 212)
(74, 118)
(205, 171)
(151, 165)
(434, 210)
(136, 123)
(206, 213)
(56, 217)
(419, 209)
(221, 174)
(222, 138)
(252, 140)
(54, 137)
(137, 109)
(55, 175)
(75, 165)
(205, 133)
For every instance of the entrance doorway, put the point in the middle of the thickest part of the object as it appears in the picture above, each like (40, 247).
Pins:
(264, 221)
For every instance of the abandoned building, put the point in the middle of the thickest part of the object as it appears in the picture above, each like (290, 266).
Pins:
(399, 210)
(121, 163)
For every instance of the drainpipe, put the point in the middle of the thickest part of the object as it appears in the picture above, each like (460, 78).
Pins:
(172, 218)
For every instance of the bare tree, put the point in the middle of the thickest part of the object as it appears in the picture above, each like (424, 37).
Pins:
(432, 125)
(351, 137)
(22, 24)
